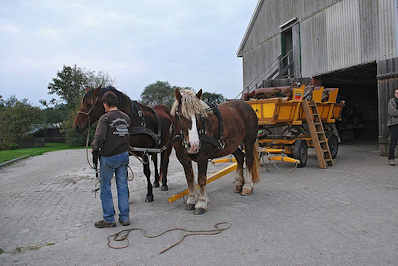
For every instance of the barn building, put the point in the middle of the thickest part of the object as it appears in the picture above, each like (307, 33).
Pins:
(349, 44)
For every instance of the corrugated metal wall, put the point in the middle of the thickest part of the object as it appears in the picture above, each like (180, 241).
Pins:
(335, 34)
(314, 45)
(258, 61)
(387, 23)
(342, 34)
(369, 29)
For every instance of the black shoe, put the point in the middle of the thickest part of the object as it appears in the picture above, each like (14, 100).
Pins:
(124, 223)
(103, 224)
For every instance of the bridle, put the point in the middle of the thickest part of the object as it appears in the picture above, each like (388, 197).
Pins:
(90, 110)
(180, 134)
(217, 142)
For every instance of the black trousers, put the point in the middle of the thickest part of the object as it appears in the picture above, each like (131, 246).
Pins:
(393, 141)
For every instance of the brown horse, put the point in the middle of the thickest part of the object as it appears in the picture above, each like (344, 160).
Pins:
(206, 134)
(146, 125)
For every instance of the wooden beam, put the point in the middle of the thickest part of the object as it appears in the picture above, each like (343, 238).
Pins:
(212, 178)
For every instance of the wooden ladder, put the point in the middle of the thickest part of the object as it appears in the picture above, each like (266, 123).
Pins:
(318, 136)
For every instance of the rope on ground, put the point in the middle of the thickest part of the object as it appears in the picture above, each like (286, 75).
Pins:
(122, 236)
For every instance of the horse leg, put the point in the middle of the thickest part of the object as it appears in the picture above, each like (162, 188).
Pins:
(251, 155)
(239, 180)
(187, 165)
(201, 204)
(164, 165)
(154, 158)
(147, 173)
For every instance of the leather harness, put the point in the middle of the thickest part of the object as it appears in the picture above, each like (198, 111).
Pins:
(218, 141)
(140, 128)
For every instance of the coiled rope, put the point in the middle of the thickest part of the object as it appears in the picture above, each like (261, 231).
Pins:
(122, 236)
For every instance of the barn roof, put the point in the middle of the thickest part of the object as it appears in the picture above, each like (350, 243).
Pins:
(249, 28)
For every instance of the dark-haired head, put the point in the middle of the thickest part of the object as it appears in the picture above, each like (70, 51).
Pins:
(110, 99)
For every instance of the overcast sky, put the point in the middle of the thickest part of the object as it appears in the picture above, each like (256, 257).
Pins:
(184, 42)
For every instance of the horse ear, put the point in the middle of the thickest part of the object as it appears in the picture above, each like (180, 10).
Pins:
(178, 94)
(199, 94)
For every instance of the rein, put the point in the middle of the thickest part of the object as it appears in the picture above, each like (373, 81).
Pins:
(90, 110)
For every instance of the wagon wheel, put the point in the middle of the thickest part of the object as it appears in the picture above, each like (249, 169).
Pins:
(333, 143)
(300, 152)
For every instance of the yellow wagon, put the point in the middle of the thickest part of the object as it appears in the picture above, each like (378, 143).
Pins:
(282, 123)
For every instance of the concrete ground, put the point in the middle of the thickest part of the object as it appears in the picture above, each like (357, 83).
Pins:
(345, 215)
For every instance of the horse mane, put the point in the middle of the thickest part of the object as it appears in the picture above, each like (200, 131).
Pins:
(124, 100)
(190, 105)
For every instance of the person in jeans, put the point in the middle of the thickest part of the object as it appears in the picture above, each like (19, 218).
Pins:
(393, 126)
(111, 141)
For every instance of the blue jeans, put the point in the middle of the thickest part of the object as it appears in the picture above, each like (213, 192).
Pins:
(114, 164)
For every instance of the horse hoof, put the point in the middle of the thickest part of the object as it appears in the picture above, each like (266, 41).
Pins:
(164, 188)
(156, 184)
(199, 211)
(149, 198)
(246, 191)
(238, 189)
(190, 207)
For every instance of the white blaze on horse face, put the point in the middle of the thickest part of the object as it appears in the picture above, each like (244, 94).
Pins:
(193, 137)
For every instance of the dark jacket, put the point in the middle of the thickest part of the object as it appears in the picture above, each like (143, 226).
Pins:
(393, 113)
(112, 133)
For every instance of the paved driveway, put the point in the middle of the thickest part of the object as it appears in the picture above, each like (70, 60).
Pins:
(345, 215)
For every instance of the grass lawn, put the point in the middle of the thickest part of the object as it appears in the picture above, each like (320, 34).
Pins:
(7, 155)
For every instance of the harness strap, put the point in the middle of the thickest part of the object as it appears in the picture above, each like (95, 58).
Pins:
(215, 141)
(144, 131)
(138, 115)
(217, 113)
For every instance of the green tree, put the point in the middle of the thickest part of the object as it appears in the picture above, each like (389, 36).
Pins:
(159, 92)
(55, 114)
(71, 82)
(98, 79)
(212, 98)
(16, 119)
(69, 85)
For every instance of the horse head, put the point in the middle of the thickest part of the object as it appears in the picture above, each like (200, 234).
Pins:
(91, 109)
(186, 108)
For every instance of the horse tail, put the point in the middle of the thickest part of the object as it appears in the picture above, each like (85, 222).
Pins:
(256, 162)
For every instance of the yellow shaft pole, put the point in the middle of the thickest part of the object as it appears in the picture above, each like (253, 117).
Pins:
(224, 160)
(212, 178)
(283, 158)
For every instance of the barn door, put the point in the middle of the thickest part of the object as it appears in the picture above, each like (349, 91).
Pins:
(296, 50)
(290, 65)
(387, 76)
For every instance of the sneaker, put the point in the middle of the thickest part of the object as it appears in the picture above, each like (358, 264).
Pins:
(391, 162)
(124, 223)
(103, 224)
